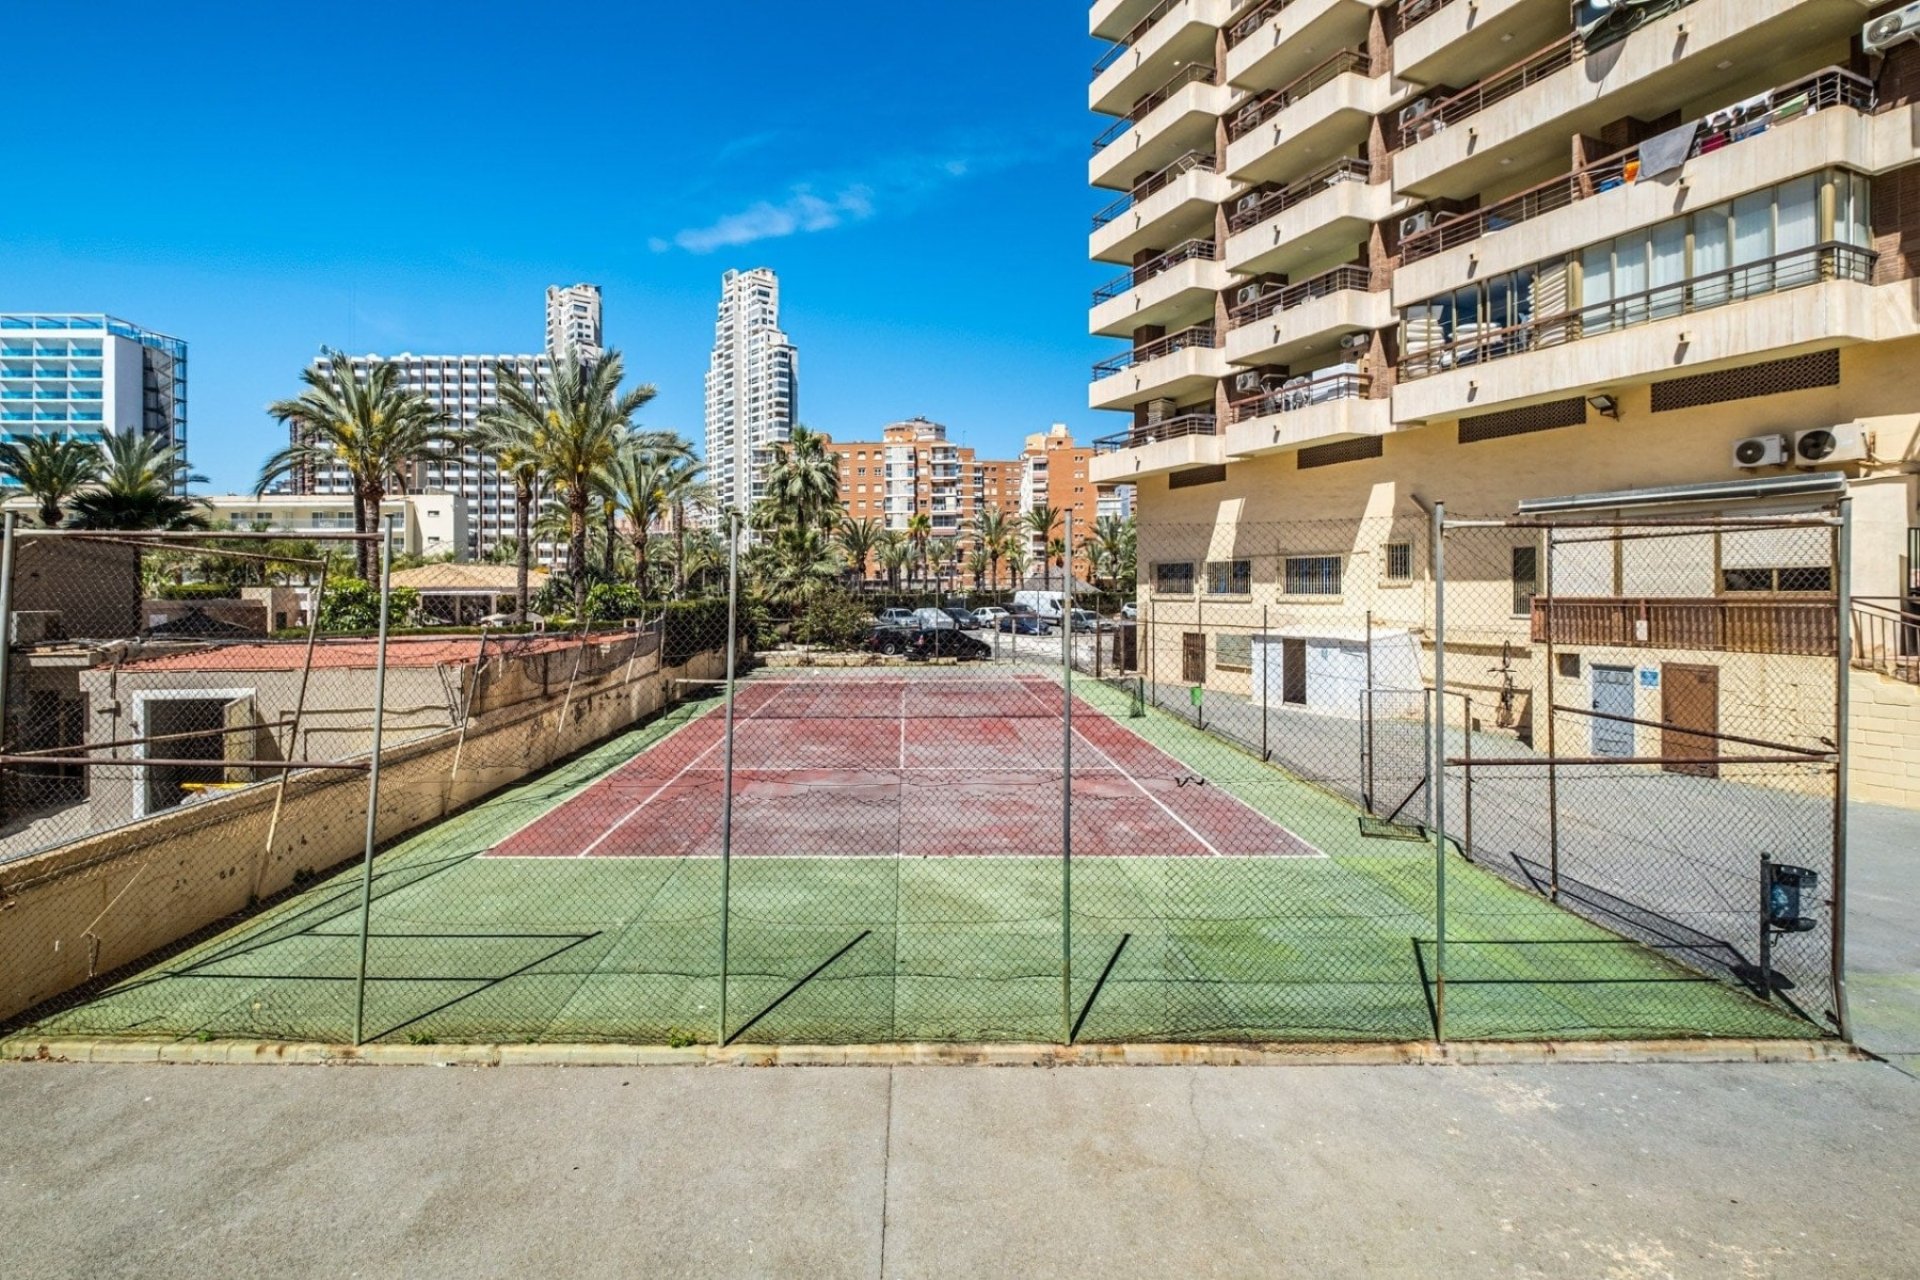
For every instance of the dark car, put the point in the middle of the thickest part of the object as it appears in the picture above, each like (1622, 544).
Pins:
(944, 643)
(1022, 620)
(891, 641)
(962, 618)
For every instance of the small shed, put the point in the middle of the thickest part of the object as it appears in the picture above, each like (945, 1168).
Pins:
(1328, 669)
(465, 593)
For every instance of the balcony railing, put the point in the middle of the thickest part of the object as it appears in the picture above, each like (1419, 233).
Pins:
(1254, 208)
(1287, 297)
(1119, 47)
(1261, 108)
(1203, 250)
(1301, 393)
(1832, 87)
(1496, 88)
(1200, 335)
(1807, 625)
(1412, 13)
(1781, 273)
(1195, 74)
(1187, 424)
(1245, 27)
(1147, 186)
(1886, 636)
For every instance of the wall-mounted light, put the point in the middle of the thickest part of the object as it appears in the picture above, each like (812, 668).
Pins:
(1606, 406)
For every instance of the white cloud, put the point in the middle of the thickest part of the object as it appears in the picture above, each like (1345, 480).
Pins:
(802, 211)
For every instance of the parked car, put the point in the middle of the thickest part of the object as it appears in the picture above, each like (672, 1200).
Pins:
(891, 641)
(947, 642)
(931, 619)
(963, 618)
(1086, 620)
(1048, 604)
(990, 615)
(1022, 620)
(895, 617)
(1130, 611)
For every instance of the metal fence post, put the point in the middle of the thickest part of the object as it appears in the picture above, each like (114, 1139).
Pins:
(1266, 682)
(726, 793)
(373, 782)
(1440, 772)
(6, 638)
(1066, 808)
(1553, 738)
(1843, 688)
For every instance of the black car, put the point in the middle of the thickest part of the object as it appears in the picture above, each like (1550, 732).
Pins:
(891, 641)
(1022, 620)
(943, 643)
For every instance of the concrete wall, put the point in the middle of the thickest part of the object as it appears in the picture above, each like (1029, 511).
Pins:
(98, 904)
(1884, 767)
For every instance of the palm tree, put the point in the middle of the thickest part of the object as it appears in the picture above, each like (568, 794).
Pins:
(857, 539)
(1041, 522)
(992, 529)
(1111, 550)
(945, 552)
(894, 552)
(513, 441)
(797, 561)
(140, 487)
(1016, 561)
(978, 564)
(637, 484)
(49, 470)
(365, 422)
(681, 487)
(579, 422)
(1056, 557)
(919, 532)
(803, 481)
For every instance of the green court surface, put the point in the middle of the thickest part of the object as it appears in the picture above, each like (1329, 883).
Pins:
(469, 948)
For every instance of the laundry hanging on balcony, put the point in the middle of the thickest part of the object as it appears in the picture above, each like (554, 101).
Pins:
(1667, 151)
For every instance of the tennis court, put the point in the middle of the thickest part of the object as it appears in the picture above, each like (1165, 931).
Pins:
(898, 873)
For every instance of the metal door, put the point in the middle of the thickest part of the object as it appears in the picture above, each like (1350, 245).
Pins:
(1612, 696)
(1193, 657)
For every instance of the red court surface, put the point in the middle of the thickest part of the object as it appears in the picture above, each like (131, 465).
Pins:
(901, 768)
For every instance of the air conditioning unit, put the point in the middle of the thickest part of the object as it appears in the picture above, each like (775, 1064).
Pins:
(1160, 410)
(1247, 382)
(1246, 294)
(1890, 29)
(1248, 203)
(1414, 110)
(1826, 445)
(1356, 342)
(1762, 451)
(1414, 223)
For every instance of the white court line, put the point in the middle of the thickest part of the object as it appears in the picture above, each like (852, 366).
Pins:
(634, 812)
(903, 726)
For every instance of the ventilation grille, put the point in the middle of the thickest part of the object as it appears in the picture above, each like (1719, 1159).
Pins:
(1196, 475)
(1326, 455)
(1795, 373)
(1518, 422)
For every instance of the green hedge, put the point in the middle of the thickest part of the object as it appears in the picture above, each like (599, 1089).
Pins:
(199, 591)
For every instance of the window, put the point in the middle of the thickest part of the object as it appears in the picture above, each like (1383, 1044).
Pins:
(1175, 579)
(1313, 575)
(1815, 580)
(1229, 577)
(1398, 563)
(1526, 579)
(1233, 651)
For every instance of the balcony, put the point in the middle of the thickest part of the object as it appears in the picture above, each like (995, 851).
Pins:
(1801, 625)
(1276, 41)
(1804, 130)
(1172, 33)
(1329, 110)
(1171, 206)
(1273, 232)
(1176, 118)
(1298, 320)
(1112, 19)
(1332, 404)
(1178, 365)
(1687, 327)
(1449, 42)
(1525, 113)
(1179, 285)
(1157, 448)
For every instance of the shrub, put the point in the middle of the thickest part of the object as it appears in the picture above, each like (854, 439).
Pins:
(614, 602)
(352, 605)
(835, 618)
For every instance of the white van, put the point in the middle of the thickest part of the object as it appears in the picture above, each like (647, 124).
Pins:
(1048, 604)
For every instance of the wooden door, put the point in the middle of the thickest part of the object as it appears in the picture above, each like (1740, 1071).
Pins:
(1689, 708)
(1193, 657)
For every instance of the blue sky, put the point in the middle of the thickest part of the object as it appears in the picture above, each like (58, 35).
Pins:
(265, 179)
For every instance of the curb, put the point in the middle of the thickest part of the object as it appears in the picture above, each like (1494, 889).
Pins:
(1418, 1053)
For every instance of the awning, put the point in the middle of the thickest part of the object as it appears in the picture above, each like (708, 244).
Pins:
(1811, 489)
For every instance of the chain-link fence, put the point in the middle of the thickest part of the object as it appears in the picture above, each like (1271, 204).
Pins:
(1322, 781)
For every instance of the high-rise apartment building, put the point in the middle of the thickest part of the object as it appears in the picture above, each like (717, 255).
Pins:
(752, 388)
(1057, 472)
(1503, 250)
(573, 321)
(913, 469)
(85, 375)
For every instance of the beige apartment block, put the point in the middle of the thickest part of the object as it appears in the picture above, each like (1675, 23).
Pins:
(1376, 254)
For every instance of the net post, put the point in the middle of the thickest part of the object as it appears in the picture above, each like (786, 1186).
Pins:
(1153, 641)
(1440, 770)
(726, 789)
(1266, 686)
(373, 780)
(1466, 778)
(1766, 932)
(1066, 803)
(1842, 559)
(1553, 721)
(6, 634)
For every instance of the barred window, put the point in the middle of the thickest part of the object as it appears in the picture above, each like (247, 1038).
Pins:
(1814, 580)
(1173, 578)
(1399, 562)
(1229, 577)
(1313, 575)
(1526, 579)
(1233, 651)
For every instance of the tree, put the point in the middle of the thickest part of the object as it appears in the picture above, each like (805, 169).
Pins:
(366, 423)
(578, 423)
(945, 553)
(1041, 522)
(1016, 561)
(641, 484)
(803, 481)
(513, 441)
(919, 533)
(1111, 551)
(894, 552)
(139, 488)
(1056, 556)
(992, 529)
(682, 486)
(978, 564)
(857, 539)
(50, 470)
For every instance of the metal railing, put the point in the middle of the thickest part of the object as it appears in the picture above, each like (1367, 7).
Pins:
(1832, 87)
(1242, 28)
(1778, 274)
(1886, 636)
(1187, 424)
(1155, 182)
(1202, 250)
(1194, 74)
(1119, 47)
(1301, 393)
(1338, 280)
(1496, 88)
(1261, 108)
(1252, 209)
(1412, 13)
(1200, 335)
(1801, 625)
